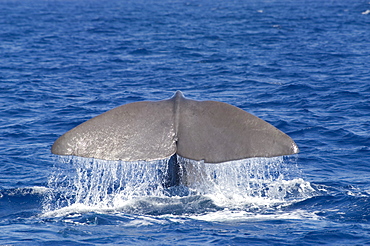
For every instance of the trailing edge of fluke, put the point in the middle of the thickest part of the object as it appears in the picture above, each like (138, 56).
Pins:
(199, 130)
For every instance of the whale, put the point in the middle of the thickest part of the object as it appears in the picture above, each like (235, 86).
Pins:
(207, 131)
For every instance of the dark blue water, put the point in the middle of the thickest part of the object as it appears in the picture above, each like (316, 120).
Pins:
(303, 66)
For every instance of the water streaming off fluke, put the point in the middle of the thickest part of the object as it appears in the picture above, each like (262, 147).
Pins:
(82, 184)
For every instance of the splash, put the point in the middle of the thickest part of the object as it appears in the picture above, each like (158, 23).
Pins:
(103, 184)
(258, 181)
(83, 184)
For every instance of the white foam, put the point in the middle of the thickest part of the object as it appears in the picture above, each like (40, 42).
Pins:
(240, 216)
(33, 190)
(74, 210)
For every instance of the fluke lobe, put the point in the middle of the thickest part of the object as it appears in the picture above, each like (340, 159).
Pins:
(199, 130)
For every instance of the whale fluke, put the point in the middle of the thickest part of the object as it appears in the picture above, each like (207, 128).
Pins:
(199, 130)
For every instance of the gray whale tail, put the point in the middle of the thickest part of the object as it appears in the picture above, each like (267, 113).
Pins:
(199, 130)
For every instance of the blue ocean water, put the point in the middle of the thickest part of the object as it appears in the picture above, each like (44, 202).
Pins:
(303, 66)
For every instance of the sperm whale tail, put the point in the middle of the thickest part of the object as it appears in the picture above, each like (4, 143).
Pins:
(199, 130)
